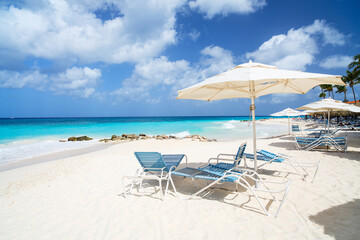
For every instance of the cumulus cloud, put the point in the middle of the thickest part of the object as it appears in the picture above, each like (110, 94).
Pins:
(297, 49)
(212, 8)
(76, 81)
(79, 82)
(31, 79)
(336, 61)
(173, 75)
(73, 30)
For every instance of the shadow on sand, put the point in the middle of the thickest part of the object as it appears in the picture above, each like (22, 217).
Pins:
(342, 221)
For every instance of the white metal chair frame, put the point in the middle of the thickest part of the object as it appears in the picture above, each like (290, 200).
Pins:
(287, 160)
(322, 141)
(157, 174)
(241, 175)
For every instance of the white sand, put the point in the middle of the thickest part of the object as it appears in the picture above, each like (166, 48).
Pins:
(80, 197)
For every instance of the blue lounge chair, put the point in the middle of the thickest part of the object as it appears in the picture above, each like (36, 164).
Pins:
(295, 129)
(154, 167)
(231, 160)
(306, 143)
(320, 133)
(300, 168)
(265, 156)
(236, 175)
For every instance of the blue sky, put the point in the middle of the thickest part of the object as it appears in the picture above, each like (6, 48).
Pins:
(72, 58)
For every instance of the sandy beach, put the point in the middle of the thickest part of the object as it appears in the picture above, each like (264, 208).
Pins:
(80, 197)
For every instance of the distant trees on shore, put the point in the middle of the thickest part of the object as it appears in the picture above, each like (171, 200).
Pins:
(351, 78)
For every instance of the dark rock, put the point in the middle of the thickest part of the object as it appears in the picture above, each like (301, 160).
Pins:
(73, 139)
(124, 135)
(83, 138)
(133, 136)
(142, 135)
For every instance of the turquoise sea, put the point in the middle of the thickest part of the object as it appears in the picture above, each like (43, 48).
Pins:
(26, 138)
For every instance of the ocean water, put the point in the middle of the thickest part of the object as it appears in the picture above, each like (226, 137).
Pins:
(26, 138)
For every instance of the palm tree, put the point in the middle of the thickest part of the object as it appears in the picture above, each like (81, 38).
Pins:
(351, 80)
(322, 94)
(355, 65)
(355, 70)
(328, 88)
(341, 89)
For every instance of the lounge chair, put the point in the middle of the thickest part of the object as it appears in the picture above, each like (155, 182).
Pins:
(300, 168)
(154, 166)
(295, 129)
(320, 133)
(236, 175)
(265, 156)
(306, 143)
(231, 160)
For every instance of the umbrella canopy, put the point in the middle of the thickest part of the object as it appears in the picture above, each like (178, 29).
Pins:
(330, 105)
(289, 112)
(252, 80)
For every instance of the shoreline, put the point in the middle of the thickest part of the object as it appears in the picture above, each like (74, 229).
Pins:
(96, 146)
(52, 156)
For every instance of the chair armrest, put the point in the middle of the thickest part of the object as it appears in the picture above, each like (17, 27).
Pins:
(220, 159)
(226, 154)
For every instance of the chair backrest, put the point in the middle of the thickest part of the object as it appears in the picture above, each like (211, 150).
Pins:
(240, 152)
(150, 161)
(268, 154)
(295, 128)
(271, 156)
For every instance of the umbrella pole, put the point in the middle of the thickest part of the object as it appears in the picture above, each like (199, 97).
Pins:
(252, 108)
(328, 130)
(289, 124)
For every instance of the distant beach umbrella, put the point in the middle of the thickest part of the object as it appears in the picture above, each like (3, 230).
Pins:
(330, 105)
(288, 112)
(252, 80)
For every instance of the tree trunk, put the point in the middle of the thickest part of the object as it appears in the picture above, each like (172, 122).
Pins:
(352, 87)
(345, 100)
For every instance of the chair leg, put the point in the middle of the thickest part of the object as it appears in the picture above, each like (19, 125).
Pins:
(161, 193)
(317, 168)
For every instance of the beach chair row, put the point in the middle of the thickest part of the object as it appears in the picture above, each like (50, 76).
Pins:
(225, 168)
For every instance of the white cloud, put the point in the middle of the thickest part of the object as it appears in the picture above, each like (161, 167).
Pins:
(173, 76)
(79, 82)
(336, 61)
(32, 79)
(71, 30)
(224, 7)
(297, 49)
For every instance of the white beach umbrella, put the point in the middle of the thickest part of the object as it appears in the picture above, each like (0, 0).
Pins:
(289, 112)
(330, 105)
(252, 80)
